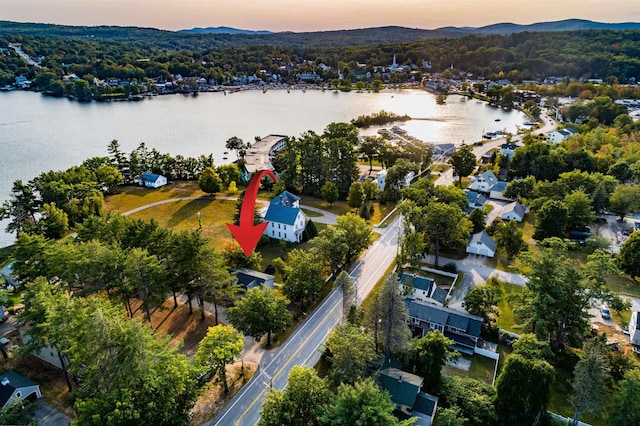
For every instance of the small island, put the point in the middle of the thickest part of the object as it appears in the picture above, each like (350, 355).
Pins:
(378, 119)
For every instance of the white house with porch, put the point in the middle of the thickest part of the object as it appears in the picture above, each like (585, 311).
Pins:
(286, 219)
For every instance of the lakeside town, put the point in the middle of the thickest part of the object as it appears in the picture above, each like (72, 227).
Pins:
(493, 282)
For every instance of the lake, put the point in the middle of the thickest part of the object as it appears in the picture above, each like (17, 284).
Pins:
(40, 133)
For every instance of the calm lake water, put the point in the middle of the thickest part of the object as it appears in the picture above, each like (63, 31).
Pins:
(39, 133)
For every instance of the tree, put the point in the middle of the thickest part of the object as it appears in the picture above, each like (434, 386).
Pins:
(371, 189)
(298, 403)
(463, 162)
(370, 148)
(477, 218)
(482, 301)
(472, 398)
(509, 239)
(329, 192)
(350, 352)
(629, 256)
(626, 401)
(54, 222)
(21, 209)
(260, 311)
(209, 181)
(346, 284)
(443, 225)
(450, 417)
(600, 198)
(304, 276)
(556, 299)
(356, 195)
(143, 274)
(625, 199)
(362, 404)
(236, 144)
(590, 379)
(427, 355)
(229, 173)
(221, 346)
(387, 316)
(17, 412)
(551, 220)
(357, 234)
(579, 210)
(523, 387)
(332, 245)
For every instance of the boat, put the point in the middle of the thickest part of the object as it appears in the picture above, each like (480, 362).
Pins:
(226, 152)
(397, 130)
(225, 158)
(497, 119)
(383, 131)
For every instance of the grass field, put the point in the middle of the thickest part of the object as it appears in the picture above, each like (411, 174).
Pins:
(507, 319)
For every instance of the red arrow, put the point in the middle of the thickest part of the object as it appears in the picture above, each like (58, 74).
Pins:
(248, 234)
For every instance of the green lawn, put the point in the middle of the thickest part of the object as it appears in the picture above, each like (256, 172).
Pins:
(507, 319)
(130, 197)
(441, 280)
(481, 369)
(183, 215)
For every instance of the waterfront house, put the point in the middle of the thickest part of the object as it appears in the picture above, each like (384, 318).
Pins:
(508, 149)
(152, 180)
(561, 135)
(462, 328)
(13, 387)
(422, 288)
(513, 211)
(481, 243)
(483, 182)
(286, 219)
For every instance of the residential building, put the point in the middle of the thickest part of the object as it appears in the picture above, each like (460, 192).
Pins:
(443, 150)
(508, 149)
(152, 180)
(13, 386)
(404, 388)
(248, 278)
(475, 200)
(514, 211)
(286, 219)
(462, 328)
(483, 182)
(561, 135)
(497, 191)
(481, 243)
(634, 328)
(7, 275)
(423, 289)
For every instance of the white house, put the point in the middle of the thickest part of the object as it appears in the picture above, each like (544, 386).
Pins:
(514, 211)
(13, 386)
(508, 149)
(482, 244)
(483, 182)
(634, 328)
(152, 180)
(558, 136)
(381, 179)
(475, 200)
(286, 219)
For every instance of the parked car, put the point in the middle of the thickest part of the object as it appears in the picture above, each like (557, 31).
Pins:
(604, 311)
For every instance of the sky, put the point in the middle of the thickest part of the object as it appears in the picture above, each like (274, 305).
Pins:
(313, 15)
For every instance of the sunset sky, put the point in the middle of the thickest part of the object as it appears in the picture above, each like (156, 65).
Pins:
(313, 15)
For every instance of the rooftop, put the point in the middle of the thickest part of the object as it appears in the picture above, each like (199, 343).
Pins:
(257, 157)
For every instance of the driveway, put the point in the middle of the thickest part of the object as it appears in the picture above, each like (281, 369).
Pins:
(46, 415)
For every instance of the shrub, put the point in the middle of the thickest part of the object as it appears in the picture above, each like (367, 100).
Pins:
(450, 267)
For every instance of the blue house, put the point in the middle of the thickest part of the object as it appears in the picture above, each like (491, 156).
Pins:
(152, 180)
(286, 219)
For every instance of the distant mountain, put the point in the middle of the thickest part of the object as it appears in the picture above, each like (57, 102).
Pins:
(564, 25)
(223, 30)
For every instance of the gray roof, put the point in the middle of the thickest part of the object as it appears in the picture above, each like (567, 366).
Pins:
(499, 186)
(421, 283)
(16, 380)
(440, 315)
(483, 238)
(402, 386)
(439, 295)
(249, 278)
(426, 404)
(515, 207)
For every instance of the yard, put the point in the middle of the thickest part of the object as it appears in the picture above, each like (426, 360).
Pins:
(482, 368)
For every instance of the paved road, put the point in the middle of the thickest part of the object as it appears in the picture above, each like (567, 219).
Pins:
(305, 346)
